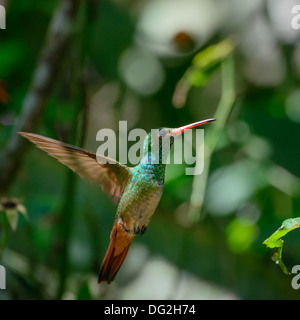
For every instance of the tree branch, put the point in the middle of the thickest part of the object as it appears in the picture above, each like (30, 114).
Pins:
(43, 79)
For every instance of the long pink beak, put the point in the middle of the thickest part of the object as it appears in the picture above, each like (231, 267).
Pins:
(192, 125)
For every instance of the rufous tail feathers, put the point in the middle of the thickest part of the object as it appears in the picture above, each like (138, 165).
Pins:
(120, 241)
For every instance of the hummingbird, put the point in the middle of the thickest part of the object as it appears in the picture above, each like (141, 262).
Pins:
(137, 190)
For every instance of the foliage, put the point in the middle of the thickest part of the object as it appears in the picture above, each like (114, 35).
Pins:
(275, 241)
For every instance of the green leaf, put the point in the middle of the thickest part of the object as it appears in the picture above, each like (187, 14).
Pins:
(204, 64)
(198, 78)
(213, 55)
(275, 241)
(12, 218)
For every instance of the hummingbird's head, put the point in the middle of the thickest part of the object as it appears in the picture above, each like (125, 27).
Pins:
(159, 142)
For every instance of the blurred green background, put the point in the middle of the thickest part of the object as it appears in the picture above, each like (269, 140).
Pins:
(156, 63)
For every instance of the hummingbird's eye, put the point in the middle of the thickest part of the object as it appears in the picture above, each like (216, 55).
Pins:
(162, 133)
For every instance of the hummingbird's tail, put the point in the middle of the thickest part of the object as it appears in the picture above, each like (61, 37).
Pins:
(120, 241)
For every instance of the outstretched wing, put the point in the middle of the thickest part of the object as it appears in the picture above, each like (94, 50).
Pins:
(108, 173)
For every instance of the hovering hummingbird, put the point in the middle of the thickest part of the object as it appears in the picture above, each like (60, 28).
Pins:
(137, 190)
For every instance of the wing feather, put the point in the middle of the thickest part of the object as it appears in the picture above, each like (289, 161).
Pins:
(108, 173)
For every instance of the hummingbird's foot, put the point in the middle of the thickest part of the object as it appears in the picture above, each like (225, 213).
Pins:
(143, 230)
(135, 229)
(138, 230)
